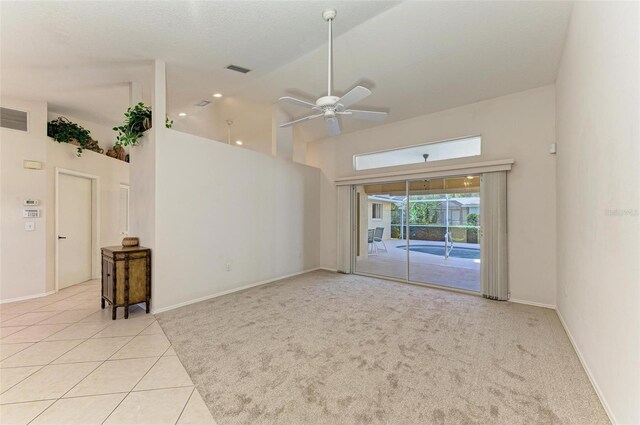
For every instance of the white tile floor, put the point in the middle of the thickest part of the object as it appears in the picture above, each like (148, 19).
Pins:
(63, 361)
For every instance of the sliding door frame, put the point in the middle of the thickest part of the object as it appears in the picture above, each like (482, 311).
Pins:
(406, 224)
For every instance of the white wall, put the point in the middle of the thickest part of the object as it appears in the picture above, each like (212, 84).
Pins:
(27, 259)
(219, 205)
(518, 126)
(598, 127)
(23, 254)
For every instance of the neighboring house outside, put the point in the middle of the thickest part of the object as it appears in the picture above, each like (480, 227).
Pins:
(379, 215)
(459, 209)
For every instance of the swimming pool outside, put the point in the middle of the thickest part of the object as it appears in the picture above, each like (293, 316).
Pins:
(470, 253)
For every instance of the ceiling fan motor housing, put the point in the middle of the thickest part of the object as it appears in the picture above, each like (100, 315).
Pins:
(327, 102)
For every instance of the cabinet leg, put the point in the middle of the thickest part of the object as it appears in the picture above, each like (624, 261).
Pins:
(113, 313)
(148, 307)
(126, 311)
(102, 303)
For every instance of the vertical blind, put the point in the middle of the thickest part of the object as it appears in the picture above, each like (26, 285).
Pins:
(494, 279)
(344, 228)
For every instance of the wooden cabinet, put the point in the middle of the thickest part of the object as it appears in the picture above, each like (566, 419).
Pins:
(126, 277)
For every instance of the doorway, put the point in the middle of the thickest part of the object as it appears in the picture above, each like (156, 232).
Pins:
(76, 227)
(420, 231)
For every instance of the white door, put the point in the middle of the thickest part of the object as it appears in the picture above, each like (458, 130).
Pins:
(74, 230)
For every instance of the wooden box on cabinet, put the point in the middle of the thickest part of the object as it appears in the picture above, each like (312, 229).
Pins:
(126, 277)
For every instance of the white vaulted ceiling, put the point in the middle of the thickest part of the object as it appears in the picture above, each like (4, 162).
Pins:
(418, 57)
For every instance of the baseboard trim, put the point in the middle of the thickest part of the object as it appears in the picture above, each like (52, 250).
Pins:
(231, 291)
(603, 401)
(28, 297)
(327, 269)
(533, 303)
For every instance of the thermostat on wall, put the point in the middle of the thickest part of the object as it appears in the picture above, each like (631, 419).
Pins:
(30, 202)
(31, 213)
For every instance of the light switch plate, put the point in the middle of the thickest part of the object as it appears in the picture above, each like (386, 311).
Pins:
(29, 226)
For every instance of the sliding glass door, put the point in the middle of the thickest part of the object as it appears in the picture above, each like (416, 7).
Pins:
(443, 235)
(423, 231)
(380, 214)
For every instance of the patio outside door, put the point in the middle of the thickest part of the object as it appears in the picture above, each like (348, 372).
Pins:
(423, 231)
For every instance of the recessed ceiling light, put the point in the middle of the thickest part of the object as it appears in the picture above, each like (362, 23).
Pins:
(471, 177)
(217, 95)
(182, 114)
(239, 142)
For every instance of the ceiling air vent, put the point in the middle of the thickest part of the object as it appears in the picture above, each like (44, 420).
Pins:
(13, 119)
(203, 103)
(238, 69)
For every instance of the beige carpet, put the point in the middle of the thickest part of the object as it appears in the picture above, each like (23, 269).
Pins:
(325, 348)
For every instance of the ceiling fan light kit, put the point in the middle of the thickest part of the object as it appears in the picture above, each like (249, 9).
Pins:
(330, 106)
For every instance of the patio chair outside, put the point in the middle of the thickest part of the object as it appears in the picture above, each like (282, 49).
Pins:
(377, 238)
(372, 248)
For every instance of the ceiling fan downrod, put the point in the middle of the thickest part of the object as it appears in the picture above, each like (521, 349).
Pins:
(329, 15)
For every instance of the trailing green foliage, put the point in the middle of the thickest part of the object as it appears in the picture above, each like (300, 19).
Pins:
(64, 131)
(137, 120)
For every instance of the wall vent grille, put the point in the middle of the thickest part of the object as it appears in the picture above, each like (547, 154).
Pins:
(13, 119)
(238, 69)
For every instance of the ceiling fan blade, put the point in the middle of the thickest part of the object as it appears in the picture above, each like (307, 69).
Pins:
(365, 115)
(355, 95)
(297, 102)
(307, 118)
(333, 126)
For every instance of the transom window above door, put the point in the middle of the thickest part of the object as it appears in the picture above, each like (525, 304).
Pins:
(427, 152)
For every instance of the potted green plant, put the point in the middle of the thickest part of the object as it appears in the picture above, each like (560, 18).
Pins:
(137, 120)
(62, 130)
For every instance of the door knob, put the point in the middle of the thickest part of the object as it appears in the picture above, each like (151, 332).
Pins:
(62, 237)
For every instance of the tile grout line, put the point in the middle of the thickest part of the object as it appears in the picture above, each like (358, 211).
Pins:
(37, 323)
(134, 337)
(92, 335)
(7, 389)
(36, 300)
(106, 360)
(47, 324)
(114, 409)
(31, 343)
(64, 311)
(134, 386)
(185, 405)
(145, 374)
(98, 363)
(51, 363)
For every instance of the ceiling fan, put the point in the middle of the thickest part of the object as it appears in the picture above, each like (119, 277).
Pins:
(330, 106)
